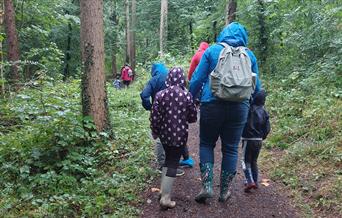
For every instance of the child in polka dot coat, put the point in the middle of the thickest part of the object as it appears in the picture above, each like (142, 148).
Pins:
(172, 110)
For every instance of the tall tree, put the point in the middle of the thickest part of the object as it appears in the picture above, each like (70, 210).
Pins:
(133, 30)
(128, 33)
(2, 85)
(231, 11)
(163, 26)
(12, 42)
(263, 38)
(68, 50)
(94, 95)
(115, 21)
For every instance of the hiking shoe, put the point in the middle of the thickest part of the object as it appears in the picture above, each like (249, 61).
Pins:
(188, 162)
(250, 186)
(180, 172)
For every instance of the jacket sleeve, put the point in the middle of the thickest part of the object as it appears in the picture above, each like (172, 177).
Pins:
(155, 117)
(146, 94)
(191, 108)
(193, 65)
(200, 75)
(267, 126)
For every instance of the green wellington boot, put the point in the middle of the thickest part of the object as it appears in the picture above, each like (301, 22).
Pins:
(165, 192)
(207, 183)
(226, 181)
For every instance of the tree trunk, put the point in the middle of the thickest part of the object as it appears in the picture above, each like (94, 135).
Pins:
(94, 95)
(263, 38)
(115, 45)
(68, 52)
(128, 33)
(12, 42)
(231, 11)
(163, 26)
(133, 29)
(191, 36)
(2, 85)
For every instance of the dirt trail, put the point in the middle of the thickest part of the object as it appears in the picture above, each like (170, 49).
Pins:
(268, 201)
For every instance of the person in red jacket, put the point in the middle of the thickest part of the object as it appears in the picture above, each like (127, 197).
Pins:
(196, 58)
(126, 75)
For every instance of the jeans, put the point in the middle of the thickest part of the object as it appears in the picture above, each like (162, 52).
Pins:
(227, 120)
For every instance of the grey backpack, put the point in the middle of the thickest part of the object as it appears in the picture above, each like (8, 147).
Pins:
(233, 79)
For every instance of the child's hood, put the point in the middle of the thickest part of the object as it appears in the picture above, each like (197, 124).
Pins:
(260, 97)
(175, 77)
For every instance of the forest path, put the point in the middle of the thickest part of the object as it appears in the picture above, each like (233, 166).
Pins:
(270, 201)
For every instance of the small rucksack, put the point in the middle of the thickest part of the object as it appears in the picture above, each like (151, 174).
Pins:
(233, 79)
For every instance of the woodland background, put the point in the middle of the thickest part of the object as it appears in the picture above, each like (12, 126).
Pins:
(60, 155)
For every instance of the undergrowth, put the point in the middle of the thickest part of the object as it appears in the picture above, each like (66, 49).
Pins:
(306, 110)
(50, 166)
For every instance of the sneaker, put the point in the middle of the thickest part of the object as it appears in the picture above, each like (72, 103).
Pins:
(188, 162)
(180, 172)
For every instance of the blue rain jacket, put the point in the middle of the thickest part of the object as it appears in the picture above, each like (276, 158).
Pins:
(234, 35)
(154, 85)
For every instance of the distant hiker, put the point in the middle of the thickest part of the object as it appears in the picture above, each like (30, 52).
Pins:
(220, 117)
(154, 85)
(117, 82)
(256, 130)
(172, 110)
(196, 58)
(127, 75)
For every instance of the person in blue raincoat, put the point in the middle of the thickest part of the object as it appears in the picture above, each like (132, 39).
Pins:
(224, 119)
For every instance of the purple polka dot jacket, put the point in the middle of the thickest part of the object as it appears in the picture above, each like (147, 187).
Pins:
(172, 110)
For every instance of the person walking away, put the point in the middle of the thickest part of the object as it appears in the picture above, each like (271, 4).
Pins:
(172, 110)
(126, 75)
(117, 82)
(196, 58)
(256, 130)
(219, 116)
(154, 85)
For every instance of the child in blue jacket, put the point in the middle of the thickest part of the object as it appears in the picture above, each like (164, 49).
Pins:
(255, 130)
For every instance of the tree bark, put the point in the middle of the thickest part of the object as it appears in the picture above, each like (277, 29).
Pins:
(2, 85)
(115, 20)
(12, 42)
(128, 33)
(68, 52)
(263, 38)
(94, 95)
(231, 11)
(163, 26)
(133, 29)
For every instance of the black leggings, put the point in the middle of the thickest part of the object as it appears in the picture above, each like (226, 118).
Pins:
(172, 157)
(185, 153)
(252, 151)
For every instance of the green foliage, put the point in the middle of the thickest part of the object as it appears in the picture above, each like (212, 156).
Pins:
(51, 165)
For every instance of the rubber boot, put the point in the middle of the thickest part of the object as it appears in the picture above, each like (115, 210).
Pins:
(163, 174)
(166, 187)
(226, 181)
(207, 183)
